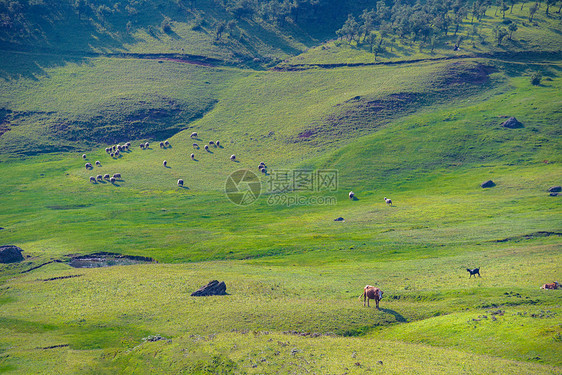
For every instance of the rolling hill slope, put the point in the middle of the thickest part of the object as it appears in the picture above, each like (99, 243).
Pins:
(424, 129)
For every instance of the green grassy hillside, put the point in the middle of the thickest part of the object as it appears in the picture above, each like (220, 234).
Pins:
(425, 133)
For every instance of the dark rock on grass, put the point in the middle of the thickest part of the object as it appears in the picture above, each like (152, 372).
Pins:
(553, 194)
(213, 288)
(339, 219)
(555, 189)
(512, 123)
(10, 254)
(488, 184)
(154, 338)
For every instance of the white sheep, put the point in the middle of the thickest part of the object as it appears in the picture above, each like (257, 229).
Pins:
(351, 195)
(388, 201)
(180, 182)
(164, 163)
(232, 157)
(194, 135)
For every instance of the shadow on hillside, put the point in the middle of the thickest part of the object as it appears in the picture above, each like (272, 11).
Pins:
(47, 43)
(398, 316)
(33, 54)
(172, 34)
(269, 37)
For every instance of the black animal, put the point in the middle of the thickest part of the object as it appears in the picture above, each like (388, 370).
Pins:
(474, 272)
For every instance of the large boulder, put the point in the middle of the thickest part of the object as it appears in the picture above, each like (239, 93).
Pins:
(10, 254)
(488, 184)
(512, 123)
(213, 288)
(555, 189)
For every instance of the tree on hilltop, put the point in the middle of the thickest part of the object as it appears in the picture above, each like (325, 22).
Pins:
(220, 28)
(532, 10)
(368, 17)
(550, 3)
(349, 29)
(500, 33)
(511, 28)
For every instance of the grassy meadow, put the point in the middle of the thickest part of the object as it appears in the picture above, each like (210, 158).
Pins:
(425, 133)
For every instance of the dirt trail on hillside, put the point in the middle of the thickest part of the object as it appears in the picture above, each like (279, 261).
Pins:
(526, 57)
(176, 57)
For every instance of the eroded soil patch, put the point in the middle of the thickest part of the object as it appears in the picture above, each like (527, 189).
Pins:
(530, 236)
(61, 277)
(104, 259)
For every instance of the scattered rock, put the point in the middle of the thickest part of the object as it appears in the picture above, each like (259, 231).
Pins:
(213, 288)
(10, 254)
(555, 189)
(512, 123)
(488, 184)
(154, 338)
(339, 219)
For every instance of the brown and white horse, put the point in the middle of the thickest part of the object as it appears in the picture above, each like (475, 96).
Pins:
(553, 285)
(371, 292)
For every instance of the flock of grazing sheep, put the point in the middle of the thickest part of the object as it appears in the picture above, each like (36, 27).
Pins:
(115, 151)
